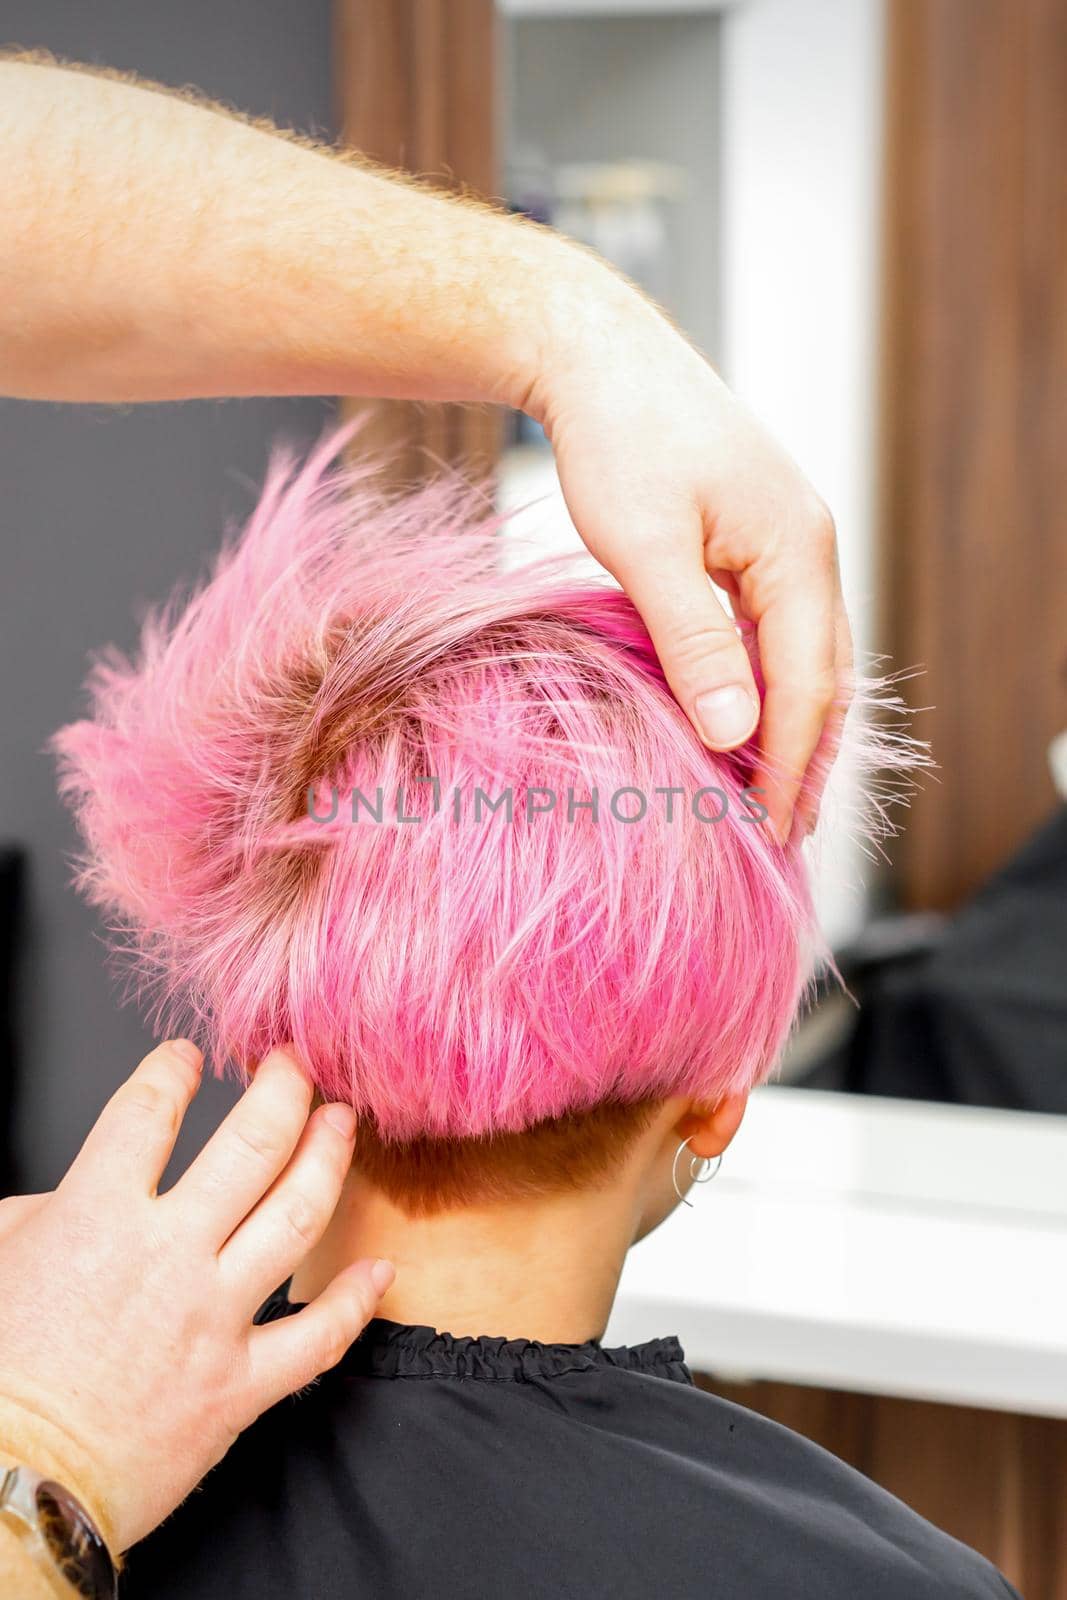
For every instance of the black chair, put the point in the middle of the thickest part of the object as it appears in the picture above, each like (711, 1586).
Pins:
(12, 864)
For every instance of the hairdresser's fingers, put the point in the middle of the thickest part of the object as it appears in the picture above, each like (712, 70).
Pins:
(698, 644)
(287, 1354)
(133, 1137)
(796, 633)
(807, 813)
(247, 1151)
(292, 1216)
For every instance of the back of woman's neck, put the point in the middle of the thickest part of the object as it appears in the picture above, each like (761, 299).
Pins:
(544, 1268)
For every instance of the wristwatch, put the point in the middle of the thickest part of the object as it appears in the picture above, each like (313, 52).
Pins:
(59, 1533)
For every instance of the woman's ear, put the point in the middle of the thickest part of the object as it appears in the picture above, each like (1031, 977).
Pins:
(710, 1129)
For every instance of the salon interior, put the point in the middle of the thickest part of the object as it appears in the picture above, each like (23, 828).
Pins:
(856, 210)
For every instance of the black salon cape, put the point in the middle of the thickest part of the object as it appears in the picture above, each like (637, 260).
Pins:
(484, 1469)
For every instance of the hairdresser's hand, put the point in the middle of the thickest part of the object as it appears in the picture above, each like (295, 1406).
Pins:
(668, 478)
(126, 1316)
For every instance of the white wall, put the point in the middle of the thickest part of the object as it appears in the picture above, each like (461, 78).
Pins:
(610, 88)
(801, 84)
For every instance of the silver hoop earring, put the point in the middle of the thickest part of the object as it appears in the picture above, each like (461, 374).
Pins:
(701, 1169)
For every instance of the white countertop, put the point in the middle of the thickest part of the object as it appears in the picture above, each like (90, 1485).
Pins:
(886, 1246)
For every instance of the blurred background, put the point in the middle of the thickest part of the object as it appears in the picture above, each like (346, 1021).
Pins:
(856, 209)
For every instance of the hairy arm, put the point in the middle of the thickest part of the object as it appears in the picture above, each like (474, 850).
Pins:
(156, 248)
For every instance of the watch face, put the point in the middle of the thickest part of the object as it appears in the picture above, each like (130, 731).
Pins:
(77, 1549)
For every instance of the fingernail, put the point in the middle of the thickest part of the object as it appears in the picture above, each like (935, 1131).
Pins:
(187, 1051)
(382, 1274)
(726, 716)
(343, 1118)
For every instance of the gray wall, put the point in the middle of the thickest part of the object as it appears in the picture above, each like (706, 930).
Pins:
(605, 88)
(102, 510)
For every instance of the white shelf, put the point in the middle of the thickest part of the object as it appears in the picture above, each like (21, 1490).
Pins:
(611, 8)
(877, 1245)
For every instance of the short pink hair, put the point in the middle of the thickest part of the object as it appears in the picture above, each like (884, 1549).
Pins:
(447, 977)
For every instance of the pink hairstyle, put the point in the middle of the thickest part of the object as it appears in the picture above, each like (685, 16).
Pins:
(448, 977)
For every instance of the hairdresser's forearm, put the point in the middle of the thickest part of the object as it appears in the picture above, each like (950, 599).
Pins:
(155, 249)
(19, 1573)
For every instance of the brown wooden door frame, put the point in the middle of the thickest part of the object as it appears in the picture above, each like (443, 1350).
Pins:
(416, 90)
(974, 531)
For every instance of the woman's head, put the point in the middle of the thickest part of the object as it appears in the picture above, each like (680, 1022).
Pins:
(442, 827)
